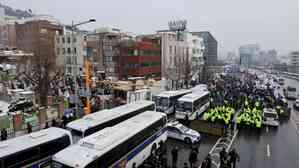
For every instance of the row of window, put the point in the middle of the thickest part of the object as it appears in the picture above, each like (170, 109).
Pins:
(69, 60)
(132, 52)
(22, 158)
(66, 50)
(116, 153)
(150, 64)
(178, 50)
(63, 40)
(143, 64)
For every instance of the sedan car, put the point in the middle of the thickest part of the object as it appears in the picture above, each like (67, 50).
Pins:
(270, 117)
(178, 131)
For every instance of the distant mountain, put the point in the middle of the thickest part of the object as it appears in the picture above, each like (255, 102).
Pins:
(16, 12)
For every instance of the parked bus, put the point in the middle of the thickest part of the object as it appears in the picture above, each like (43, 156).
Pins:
(193, 105)
(123, 145)
(33, 150)
(94, 122)
(165, 101)
(199, 88)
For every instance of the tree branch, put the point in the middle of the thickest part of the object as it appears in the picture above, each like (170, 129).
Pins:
(30, 78)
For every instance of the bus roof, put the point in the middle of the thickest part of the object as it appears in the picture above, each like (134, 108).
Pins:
(193, 96)
(103, 116)
(99, 143)
(172, 93)
(20, 143)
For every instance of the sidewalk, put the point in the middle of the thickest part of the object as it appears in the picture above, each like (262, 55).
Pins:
(22, 132)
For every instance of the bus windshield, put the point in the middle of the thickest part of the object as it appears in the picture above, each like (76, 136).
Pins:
(162, 101)
(184, 107)
(77, 135)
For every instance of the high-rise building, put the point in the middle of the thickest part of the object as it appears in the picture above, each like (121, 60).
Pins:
(210, 52)
(70, 51)
(248, 54)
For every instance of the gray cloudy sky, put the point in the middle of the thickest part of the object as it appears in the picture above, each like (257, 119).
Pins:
(270, 23)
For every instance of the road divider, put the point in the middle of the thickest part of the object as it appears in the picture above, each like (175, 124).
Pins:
(268, 150)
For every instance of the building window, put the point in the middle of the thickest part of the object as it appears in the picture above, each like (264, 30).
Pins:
(75, 50)
(58, 40)
(68, 40)
(170, 49)
(74, 40)
(174, 50)
(43, 31)
(135, 52)
(63, 40)
(130, 52)
(69, 70)
(68, 50)
(68, 60)
(75, 60)
(63, 50)
(58, 51)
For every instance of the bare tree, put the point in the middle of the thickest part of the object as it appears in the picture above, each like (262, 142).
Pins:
(42, 69)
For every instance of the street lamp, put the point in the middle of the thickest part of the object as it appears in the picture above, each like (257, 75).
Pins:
(75, 62)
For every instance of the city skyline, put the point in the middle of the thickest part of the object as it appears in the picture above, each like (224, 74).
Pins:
(233, 23)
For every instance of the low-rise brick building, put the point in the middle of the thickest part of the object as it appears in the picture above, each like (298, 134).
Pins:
(140, 58)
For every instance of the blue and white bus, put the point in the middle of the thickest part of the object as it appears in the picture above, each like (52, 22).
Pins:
(123, 145)
(97, 121)
(166, 100)
(33, 150)
(192, 105)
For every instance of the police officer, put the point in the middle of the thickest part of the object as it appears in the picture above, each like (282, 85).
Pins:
(174, 154)
(3, 134)
(234, 157)
(223, 157)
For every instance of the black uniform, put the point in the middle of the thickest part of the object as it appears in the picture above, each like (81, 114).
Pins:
(174, 154)
(234, 156)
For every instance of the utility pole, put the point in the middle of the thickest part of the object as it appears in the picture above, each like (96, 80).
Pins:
(75, 62)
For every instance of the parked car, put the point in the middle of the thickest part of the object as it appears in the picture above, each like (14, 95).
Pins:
(296, 104)
(178, 131)
(270, 117)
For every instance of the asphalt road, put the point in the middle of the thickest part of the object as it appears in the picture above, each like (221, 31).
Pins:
(271, 148)
(184, 149)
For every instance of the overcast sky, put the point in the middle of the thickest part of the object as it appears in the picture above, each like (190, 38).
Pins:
(270, 23)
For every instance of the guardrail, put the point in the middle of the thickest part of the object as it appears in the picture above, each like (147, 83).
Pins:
(226, 142)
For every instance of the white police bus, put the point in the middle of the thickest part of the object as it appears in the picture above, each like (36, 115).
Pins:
(33, 150)
(94, 122)
(166, 100)
(193, 105)
(123, 145)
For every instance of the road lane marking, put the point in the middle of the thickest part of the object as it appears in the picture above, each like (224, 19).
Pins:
(267, 129)
(268, 150)
(293, 118)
